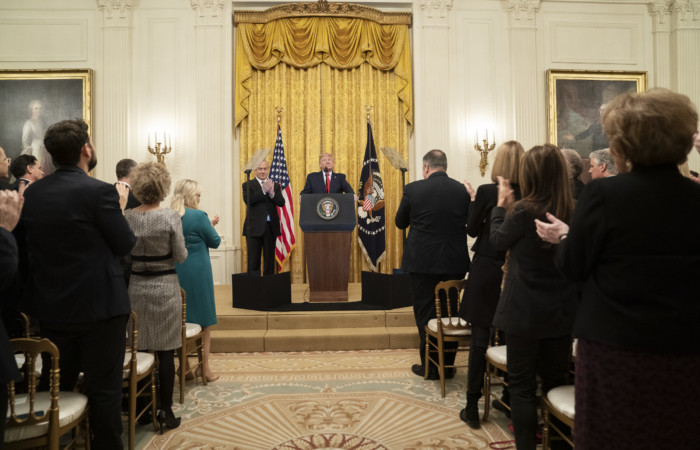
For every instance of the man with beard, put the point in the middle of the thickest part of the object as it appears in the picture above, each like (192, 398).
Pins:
(76, 233)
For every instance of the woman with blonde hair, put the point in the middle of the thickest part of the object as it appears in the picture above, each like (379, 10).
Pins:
(537, 306)
(154, 290)
(195, 273)
(485, 274)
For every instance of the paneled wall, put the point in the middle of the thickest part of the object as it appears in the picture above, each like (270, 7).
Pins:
(166, 66)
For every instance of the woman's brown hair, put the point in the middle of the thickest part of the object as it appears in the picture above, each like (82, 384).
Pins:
(544, 183)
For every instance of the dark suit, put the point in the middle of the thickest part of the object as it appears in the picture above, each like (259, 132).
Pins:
(436, 248)
(536, 310)
(8, 365)
(260, 232)
(316, 184)
(76, 233)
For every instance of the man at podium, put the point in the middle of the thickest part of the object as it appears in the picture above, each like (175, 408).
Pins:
(262, 222)
(326, 181)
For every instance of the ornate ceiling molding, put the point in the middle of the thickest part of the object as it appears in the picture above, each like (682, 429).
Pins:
(209, 12)
(661, 11)
(436, 9)
(116, 12)
(523, 13)
(322, 8)
(688, 12)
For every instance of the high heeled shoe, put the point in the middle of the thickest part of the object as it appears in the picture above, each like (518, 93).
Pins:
(210, 378)
(167, 419)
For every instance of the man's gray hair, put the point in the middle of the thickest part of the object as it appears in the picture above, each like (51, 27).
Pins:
(436, 159)
(604, 157)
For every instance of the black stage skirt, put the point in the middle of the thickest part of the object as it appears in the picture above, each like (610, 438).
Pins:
(482, 291)
(634, 400)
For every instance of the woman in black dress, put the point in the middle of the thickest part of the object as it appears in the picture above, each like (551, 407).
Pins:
(485, 275)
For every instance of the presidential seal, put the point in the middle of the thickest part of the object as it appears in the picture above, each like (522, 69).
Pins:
(327, 208)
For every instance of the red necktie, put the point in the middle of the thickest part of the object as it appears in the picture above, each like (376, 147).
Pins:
(328, 183)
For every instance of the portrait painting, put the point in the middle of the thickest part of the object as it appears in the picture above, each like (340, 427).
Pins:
(576, 100)
(32, 100)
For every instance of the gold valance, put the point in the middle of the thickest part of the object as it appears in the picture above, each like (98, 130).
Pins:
(304, 42)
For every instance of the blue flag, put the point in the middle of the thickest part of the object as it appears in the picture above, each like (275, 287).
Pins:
(370, 211)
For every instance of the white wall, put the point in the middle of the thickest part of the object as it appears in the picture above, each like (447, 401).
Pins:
(167, 65)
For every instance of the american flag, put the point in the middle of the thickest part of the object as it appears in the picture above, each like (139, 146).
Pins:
(279, 174)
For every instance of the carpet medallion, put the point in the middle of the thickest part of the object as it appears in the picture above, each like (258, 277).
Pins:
(324, 400)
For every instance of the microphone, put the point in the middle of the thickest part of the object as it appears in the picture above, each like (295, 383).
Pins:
(326, 169)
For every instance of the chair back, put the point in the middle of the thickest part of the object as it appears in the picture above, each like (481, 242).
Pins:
(23, 407)
(132, 343)
(448, 299)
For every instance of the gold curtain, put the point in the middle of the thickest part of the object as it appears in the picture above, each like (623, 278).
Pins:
(327, 90)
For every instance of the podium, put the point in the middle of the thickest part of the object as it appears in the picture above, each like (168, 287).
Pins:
(327, 221)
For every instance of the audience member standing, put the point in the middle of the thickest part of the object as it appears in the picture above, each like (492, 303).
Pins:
(4, 170)
(485, 275)
(26, 169)
(574, 167)
(123, 170)
(636, 327)
(195, 273)
(262, 221)
(436, 248)
(602, 164)
(537, 306)
(76, 233)
(154, 289)
(10, 207)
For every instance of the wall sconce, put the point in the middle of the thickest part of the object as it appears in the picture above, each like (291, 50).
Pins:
(485, 149)
(160, 149)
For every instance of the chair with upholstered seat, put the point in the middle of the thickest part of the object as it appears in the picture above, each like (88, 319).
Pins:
(39, 419)
(559, 402)
(447, 327)
(496, 368)
(138, 381)
(192, 345)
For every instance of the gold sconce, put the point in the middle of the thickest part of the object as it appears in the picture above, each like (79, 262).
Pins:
(484, 149)
(160, 149)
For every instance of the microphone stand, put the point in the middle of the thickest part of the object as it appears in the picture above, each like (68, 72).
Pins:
(403, 184)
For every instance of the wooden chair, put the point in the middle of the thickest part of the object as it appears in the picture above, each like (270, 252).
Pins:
(559, 402)
(192, 345)
(447, 327)
(139, 367)
(496, 368)
(39, 419)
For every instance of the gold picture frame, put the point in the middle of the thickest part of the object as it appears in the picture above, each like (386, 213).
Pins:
(574, 102)
(57, 94)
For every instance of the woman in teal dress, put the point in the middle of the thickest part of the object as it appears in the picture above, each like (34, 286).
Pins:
(195, 273)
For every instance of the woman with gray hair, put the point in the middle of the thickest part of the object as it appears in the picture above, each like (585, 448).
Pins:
(154, 289)
(574, 166)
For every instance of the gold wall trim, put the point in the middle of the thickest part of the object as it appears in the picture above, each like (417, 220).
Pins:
(323, 8)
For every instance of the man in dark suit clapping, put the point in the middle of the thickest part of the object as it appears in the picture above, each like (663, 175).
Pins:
(262, 222)
(76, 233)
(436, 249)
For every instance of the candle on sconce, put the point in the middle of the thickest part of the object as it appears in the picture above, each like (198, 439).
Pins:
(149, 139)
(170, 141)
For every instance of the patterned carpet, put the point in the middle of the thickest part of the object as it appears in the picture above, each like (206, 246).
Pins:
(323, 400)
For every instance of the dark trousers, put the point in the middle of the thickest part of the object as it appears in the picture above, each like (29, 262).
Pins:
(423, 288)
(266, 245)
(96, 349)
(528, 358)
(477, 362)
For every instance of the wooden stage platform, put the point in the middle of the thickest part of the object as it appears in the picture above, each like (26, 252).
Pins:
(243, 330)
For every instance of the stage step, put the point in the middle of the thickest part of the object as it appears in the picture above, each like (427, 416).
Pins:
(240, 330)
